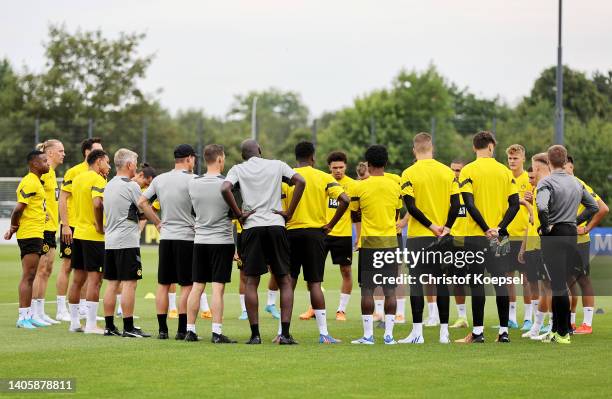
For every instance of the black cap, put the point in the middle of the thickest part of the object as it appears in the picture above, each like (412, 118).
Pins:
(183, 151)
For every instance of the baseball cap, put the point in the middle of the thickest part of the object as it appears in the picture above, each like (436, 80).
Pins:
(183, 151)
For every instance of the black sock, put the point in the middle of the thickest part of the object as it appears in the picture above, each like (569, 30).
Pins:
(128, 323)
(182, 323)
(161, 320)
(285, 328)
(110, 323)
(254, 330)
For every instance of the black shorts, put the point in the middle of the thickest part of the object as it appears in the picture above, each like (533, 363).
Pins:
(512, 258)
(534, 266)
(341, 249)
(65, 249)
(87, 255)
(582, 264)
(48, 241)
(30, 246)
(373, 271)
(175, 260)
(122, 264)
(239, 244)
(263, 246)
(212, 263)
(307, 252)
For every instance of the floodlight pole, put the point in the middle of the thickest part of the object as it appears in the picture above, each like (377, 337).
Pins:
(559, 118)
(254, 119)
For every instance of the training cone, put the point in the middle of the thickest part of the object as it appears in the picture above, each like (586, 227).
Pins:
(149, 295)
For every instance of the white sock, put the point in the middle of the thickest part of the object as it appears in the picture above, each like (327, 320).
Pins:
(573, 318)
(171, 301)
(512, 312)
(23, 313)
(74, 315)
(280, 327)
(82, 306)
(528, 312)
(477, 330)
(550, 319)
(191, 327)
(34, 307)
(401, 307)
(204, 303)
(368, 325)
(92, 312)
(389, 323)
(379, 306)
(272, 297)
(119, 310)
(417, 329)
(321, 321)
(432, 307)
(41, 307)
(344, 300)
(61, 303)
(588, 316)
(503, 330)
(535, 304)
(242, 303)
(444, 330)
(461, 311)
(217, 328)
(539, 320)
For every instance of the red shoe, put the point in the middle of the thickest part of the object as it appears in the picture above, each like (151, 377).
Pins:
(584, 329)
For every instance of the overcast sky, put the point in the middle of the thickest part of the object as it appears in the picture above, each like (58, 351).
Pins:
(330, 51)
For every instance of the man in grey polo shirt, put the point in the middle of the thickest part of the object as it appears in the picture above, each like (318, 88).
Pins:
(213, 250)
(177, 233)
(558, 197)
(264, 237)
(122, 264)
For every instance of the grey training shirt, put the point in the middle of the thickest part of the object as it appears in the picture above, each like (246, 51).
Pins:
(260, 181)
(172, 191)
(121, 212)
(559, 195)
(212, 222)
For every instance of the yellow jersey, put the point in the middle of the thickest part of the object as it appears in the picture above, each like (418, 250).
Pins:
(344, 227)
(311, 210)
(86, 187)
(431, 184)
(533, 238)
(49, 182)
(491, 183)
(67, 186)
(582, 238)
(379, 199)
(517, 227)
(396, 179)
(31, 193)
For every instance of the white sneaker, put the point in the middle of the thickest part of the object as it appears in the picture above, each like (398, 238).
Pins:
(49, 320)
(530, 334)
(63, 316)
(75, 329)
(539, 337)
(444, 338)
(38, 320)
(94, 330)
(412, 339)
(432, 321)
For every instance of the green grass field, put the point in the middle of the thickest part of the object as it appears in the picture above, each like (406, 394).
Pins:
(114, 367)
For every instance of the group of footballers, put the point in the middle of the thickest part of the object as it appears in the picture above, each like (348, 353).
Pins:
(269, 217)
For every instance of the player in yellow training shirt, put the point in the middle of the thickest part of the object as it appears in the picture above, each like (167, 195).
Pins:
(68, 219)
(54, 149)
(517, 229)
(431, 195)
(88, 255)
(581, 273)
(379, 200)
(339, 242)
(491, 199)
(28, 221)
(308, 227)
